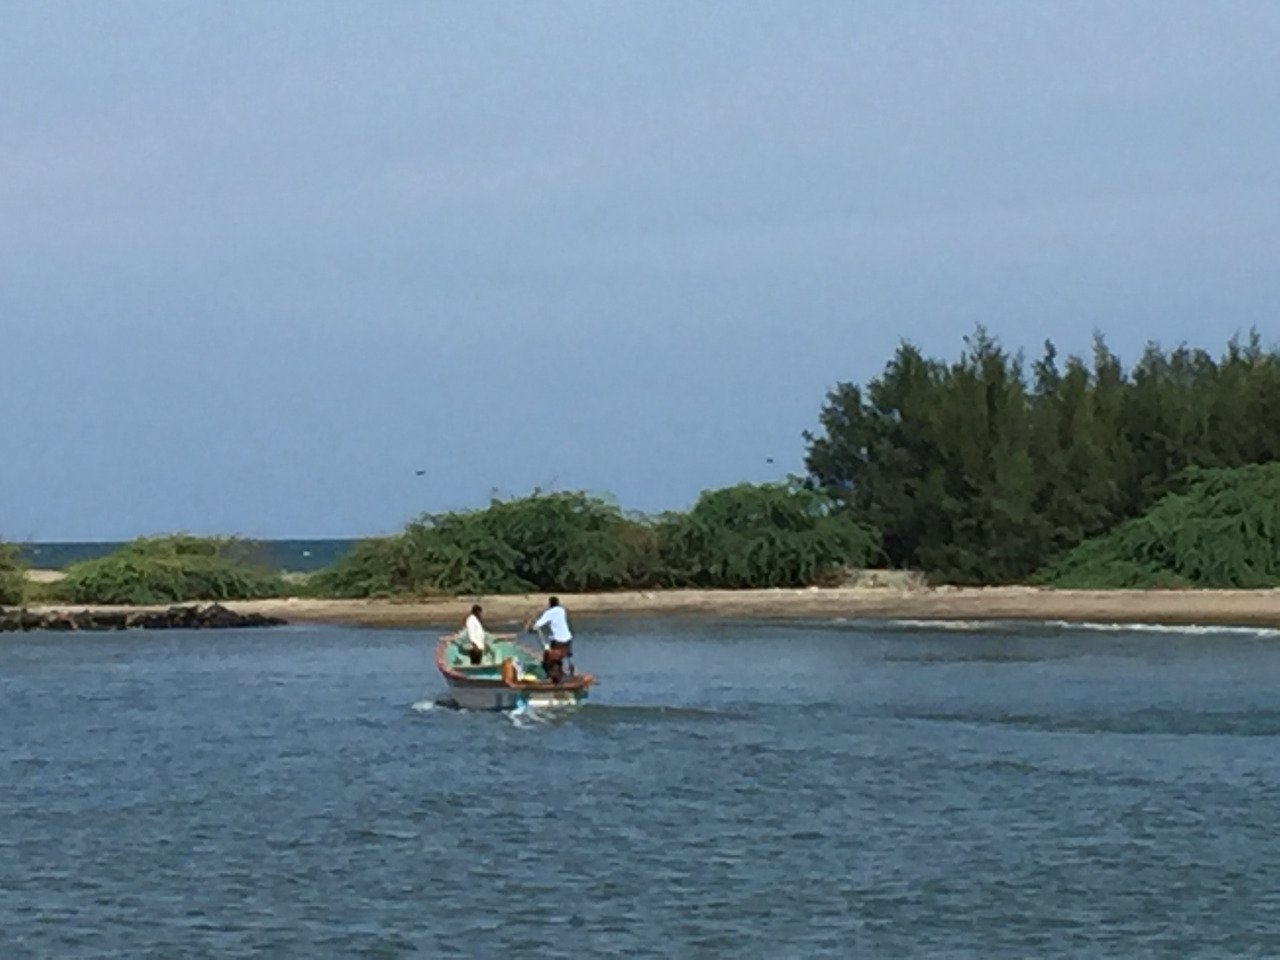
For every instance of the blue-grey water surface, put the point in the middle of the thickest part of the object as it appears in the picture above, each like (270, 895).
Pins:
(733, 790)
(299, 556)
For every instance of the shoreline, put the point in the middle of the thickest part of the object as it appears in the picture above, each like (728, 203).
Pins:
(1240, 608)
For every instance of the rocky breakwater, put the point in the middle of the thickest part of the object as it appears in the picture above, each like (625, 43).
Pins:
(211, 616)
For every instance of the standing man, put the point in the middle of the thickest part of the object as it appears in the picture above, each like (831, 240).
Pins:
(556, 621)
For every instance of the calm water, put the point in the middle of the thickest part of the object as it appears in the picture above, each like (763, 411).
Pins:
(298, 556)
(733, 791)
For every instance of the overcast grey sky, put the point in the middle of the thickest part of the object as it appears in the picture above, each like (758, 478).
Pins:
(261, 262)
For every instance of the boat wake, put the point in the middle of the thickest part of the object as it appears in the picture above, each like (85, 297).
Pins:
(524, 716)
(648, 712)
(434, 706)
(528, 715)
(1190, 629)
(1068, 626)
(600, 714)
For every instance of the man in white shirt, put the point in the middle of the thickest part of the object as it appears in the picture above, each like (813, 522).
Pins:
(556, 621)
(473, 637)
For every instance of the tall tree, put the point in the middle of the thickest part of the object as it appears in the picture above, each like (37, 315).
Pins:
(973, 474)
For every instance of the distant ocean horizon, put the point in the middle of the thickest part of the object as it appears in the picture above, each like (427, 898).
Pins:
(293, 556)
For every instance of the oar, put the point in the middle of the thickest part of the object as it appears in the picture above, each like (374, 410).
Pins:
(528, 628)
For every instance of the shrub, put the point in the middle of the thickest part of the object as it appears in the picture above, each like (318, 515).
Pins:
(766, 535)
(743, 536)
(1219, 528)
(173, 570)
(13, 575)
(559, 541)
(376, 567)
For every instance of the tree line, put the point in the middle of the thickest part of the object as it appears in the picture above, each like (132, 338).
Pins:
(985, 470)
(980, 470)
(747, 535)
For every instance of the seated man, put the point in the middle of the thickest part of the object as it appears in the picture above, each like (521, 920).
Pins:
(553, 664)
(473, 639)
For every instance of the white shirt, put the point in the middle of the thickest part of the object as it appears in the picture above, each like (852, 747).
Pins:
(475, 632)
(554, 617)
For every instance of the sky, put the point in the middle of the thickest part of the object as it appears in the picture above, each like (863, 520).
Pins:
(308, 269)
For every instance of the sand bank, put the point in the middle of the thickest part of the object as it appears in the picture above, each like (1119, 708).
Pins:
(45, 576)
(1219, 607)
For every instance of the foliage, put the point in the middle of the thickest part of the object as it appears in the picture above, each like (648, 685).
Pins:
(979, 472)
(376, 567)
(556, 541)
(743, 536)
(172, 570)
(1220, 528)
(13, 575)
(38, 592)
(767, 535)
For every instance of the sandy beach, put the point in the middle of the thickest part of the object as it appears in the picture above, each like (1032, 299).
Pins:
(1217, 607)
(1211, 607)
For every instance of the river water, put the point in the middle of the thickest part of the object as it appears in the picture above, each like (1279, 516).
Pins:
(732, 790)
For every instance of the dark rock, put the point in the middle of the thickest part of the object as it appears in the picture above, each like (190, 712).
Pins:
(194, 617)
(182, 618)
(112, 621)
(219, 617)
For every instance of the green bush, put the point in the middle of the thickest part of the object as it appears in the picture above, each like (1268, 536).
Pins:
(13, 575)
(376, 567)
(570, 541)
(559, 541)
(1220, 528)
(767, 535)
(172, 570)
(744, 536)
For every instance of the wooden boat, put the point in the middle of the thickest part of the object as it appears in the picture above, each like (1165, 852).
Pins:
(510, 676)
